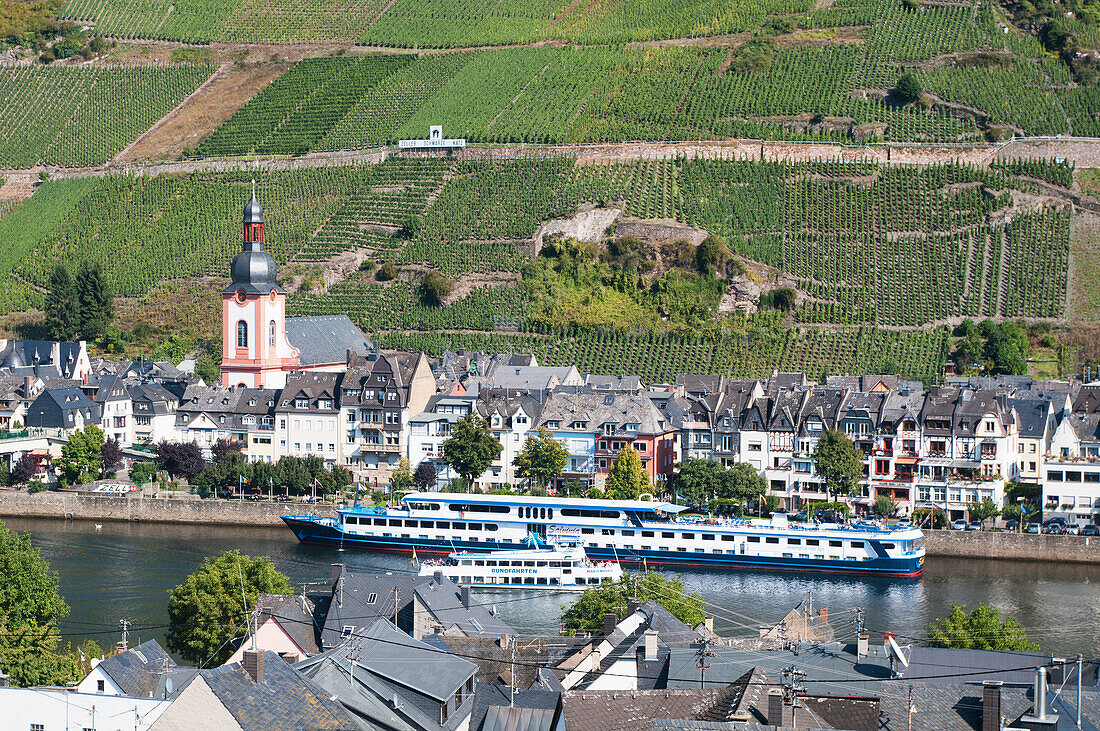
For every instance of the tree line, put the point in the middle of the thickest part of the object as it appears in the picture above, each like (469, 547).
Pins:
(78, 307)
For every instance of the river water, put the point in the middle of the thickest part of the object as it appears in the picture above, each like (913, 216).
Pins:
(125, 570)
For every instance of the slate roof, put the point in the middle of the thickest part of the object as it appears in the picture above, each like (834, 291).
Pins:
(942, 708)
(607, 710)
(943, 666)
(613, 383)
(312, 386)
(326, 339)
(139, 671)
(30, 353)
(833, 661)
(351, 605)
(68, 399)
(488, 697)
(285, 701)
(389, 653)
(294, 614)
(569, 405)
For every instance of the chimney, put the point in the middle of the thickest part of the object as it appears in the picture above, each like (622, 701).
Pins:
(632, 606)
(438, 577)
(1040, 719)
(466, 597)
(504, 641)
(775, 707)
(824, 614)
(708, 622)
(253, 664)
(609, 622)
(861, 645)
(991, 705)
(337, 571)
(650, 645)
(27, 380)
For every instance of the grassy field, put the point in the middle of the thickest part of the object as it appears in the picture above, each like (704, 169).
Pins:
(83, 116)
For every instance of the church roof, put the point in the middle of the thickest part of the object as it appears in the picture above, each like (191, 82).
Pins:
(326, 339)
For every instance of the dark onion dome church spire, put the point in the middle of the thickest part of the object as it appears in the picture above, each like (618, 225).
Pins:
(253, 270)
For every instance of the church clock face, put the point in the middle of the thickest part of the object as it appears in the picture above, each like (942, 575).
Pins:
(240, 296)
(274, 295)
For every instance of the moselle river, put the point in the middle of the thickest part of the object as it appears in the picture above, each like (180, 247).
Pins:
(125, 570)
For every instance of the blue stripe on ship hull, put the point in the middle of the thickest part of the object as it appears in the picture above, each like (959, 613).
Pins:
(309, 531)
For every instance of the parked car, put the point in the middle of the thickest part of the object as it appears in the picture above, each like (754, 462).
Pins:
(959, 524)
(1090, 529)
(1012, 524)
(1054, 521)
(974, 525)
(1033, 528)
(1072, 529)
(1053, 529)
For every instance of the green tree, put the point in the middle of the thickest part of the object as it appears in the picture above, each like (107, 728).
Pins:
(402, 477)
(711, 255)
(908, 88)
(627, 478)
(980, 629)
(142, 472)
(81, 457)
(838, 462)
(698, 480)
(587, 612)
(884, 505)
(30, 607)
(435, 287)
(62, 305)
(743, 482)
(471, 448)
(984, 510)
(542, 459)
(210, 608)
(97, 307)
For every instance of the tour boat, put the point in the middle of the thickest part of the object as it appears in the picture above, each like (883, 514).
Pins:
(628, 531)
(558, 567)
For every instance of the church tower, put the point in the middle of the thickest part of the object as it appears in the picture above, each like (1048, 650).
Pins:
(255, 350)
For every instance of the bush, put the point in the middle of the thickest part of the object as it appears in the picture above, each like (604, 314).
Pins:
(434, 287)
(711, 255)
(908, 88)
(387, 272)
(782, 299)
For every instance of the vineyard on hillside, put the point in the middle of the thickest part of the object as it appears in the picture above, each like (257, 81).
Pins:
(83, 116)
(866, 244)
(749, 348)
(814, 74)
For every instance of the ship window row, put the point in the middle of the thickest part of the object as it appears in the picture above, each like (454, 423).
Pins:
(475, 508)
(581, 513)
(495, 562)
(437, 524)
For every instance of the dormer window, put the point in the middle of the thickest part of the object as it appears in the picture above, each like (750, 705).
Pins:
(579, 425)
(326, 403)
(553, 424)
(632, 427)
(301, 403)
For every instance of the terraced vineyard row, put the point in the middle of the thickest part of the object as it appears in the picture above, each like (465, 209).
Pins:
(891, 245)
(836, 91)
(83, 116)
(147, 230)
(753, 350)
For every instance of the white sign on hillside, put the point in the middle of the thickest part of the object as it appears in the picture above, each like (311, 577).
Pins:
(435, 140)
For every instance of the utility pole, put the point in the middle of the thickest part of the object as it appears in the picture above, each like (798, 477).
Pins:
(1080, 662)
(396, 592)
(859, 622)
(125, 624)
(702, 660)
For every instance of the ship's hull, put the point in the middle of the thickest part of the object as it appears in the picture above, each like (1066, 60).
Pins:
(327, 532)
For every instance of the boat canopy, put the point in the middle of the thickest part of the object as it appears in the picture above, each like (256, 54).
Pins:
(634, 506)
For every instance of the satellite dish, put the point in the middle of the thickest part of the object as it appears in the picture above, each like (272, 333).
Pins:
(892, 648)
(168, 686)
(94, 662)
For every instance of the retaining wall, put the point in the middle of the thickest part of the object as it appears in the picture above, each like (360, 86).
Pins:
(180, 509)
(1012, 546)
